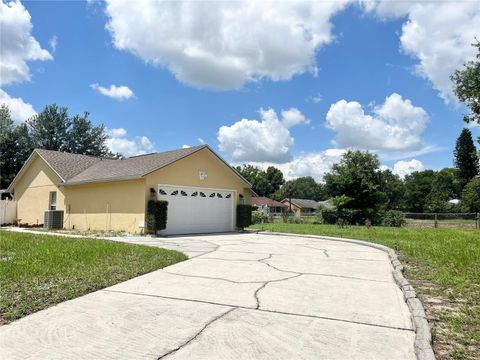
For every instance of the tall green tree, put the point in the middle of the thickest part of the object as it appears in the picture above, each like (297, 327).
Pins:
(417, 187)
(288, 191)
(84, 138)
(275, 178)
(51, 129)
(466, 158)
(5, 117)
(15, 147)
(304, 187)
(357, 176)
(466, 85)
(55, 129)
(264, 183)
(445, 186)
(471, 196)
(393, 188)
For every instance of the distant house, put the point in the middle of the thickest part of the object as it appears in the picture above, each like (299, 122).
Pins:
(268, 206)
(327, 205)
(301, 207)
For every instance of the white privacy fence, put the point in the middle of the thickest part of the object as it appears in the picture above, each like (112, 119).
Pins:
(8, 211)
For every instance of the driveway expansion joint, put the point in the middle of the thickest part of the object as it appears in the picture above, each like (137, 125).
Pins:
(423, 336)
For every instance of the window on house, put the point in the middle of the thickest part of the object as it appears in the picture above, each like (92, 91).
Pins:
(53, 200)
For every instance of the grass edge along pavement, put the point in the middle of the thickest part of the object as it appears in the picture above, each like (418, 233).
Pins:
(443, 265)
(38, 270)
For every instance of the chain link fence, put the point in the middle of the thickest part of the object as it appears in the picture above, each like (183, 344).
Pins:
(443, 220)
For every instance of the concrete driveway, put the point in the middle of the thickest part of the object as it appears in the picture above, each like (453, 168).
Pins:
(240, 296)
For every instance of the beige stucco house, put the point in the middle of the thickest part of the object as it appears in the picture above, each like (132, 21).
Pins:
(104, 194)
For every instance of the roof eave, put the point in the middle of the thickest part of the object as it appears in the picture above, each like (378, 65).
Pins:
(95, 181)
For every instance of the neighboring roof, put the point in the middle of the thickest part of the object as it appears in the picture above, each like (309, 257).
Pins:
(304, 203)
(260, 200)
(79, 169)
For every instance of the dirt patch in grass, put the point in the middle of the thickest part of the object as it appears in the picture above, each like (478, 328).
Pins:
(454, 332)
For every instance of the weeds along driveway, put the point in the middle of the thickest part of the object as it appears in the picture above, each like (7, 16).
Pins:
(240, 296)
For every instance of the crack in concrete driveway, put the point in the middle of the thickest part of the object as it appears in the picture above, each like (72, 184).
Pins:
(239, 296)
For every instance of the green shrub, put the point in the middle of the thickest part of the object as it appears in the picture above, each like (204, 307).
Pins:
(328, 216)
(156, 218)
(471, 196)
(258, 217)
(244, 216)
(394, 218)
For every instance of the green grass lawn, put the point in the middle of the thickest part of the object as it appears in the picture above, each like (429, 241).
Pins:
(38, 271)
(444, 267)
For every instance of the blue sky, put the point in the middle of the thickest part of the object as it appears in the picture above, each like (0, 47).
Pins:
(358, 76)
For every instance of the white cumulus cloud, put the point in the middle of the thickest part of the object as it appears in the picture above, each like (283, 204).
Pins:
(17, 44)
(404, 168)
(119, 143)
(395, 127)
(438, 34)
(264, 140)
(292, 117)
(19, 109)
(224, 44)
(116, 92)
(315, 164)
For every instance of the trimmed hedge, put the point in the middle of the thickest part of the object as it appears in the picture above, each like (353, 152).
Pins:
(156, 215)
(244, 216)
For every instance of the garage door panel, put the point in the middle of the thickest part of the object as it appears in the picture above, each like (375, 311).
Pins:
(197, 210)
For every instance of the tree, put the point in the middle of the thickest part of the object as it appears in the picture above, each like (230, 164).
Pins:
(393, 188)
(466, 158)
(5, 117)
(466, 84)
(15, 147)
(445, 186)
(264, 183)
(303, 187)
(51, 129)
(288, 191)
(417, 187)
(471, 196)
(275, 178)
(357, 176)
(54, 129)
(84, 138)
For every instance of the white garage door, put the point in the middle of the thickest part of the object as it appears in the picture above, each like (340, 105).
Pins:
(196, 210)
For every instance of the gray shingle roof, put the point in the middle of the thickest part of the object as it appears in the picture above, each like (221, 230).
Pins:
(80, 169)
(260, 200)
(67, 165)
(130, 168)
(305, 204)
